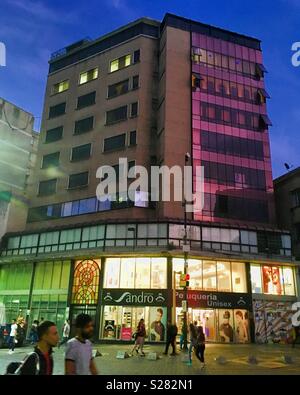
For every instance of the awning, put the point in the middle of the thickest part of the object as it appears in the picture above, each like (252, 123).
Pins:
(266, 120)
(264, 93)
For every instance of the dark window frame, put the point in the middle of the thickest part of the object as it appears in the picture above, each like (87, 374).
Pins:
(80, 98)
(77, 122)
(111, 139)
(44, 182)
(77, 148)
(60, 128)
(78, 186)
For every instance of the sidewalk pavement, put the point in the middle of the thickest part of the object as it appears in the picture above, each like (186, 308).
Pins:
(270, 360)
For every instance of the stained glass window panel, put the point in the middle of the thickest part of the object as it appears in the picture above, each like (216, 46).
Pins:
(86, 282)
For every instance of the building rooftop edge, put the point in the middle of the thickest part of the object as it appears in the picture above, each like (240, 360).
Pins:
(159, 24)
(286, 176)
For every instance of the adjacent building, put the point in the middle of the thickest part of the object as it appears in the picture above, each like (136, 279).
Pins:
(287, 197)
(18, 146)
(151, 92)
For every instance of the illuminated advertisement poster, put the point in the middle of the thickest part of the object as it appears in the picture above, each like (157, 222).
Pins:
(271, 280)
(158, 324)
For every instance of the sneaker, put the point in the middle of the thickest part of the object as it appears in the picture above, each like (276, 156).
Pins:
(10, 352)
(143, 354)
(165, 353)
(203, 365)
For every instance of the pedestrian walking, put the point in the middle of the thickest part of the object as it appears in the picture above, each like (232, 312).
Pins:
(193, 340)
(33, 337)
(200, 347)
(40, 362)
(296, 335)
(12, 336)
(65, 333)
(79, 358)
(172, 331)
(139, 338)
(182, 336)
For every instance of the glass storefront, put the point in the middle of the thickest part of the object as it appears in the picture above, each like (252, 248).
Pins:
(120, 322)
(14, 291)
(50, 292)
(219, 325)
(273, 280)
(141, 273)
(213, 275)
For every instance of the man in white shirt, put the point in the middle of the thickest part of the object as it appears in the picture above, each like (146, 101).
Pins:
(12, 336)
(79, 354)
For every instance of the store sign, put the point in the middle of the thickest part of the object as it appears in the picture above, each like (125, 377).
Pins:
(214, 300)
(134, 297)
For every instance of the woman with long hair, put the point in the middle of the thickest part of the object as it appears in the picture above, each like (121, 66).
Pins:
(139, 338)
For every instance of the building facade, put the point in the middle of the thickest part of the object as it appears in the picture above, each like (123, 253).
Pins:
(152, 92)
(18, 146)
(287, 198)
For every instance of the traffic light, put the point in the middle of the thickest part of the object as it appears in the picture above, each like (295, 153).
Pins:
(184, 280)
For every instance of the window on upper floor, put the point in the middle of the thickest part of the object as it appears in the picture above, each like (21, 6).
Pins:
(57, 110)
(78, 180)
(296, 198)
(134, 107)
(117, 115)
(47, 187)
(81, 152)
(125, 61)
(114, 143)
(135, 82)
(84, 125)
(120, 63)
(50, 160)
(132, 138)
(118, 89)
(54, 134)
(60, 87)
(86, 100)
(88, 76)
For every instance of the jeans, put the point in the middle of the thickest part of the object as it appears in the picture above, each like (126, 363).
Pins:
(200, 348)
(11, 343)
(171, 341)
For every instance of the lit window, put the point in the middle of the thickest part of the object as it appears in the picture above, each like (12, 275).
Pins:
(112, 273)
(288, 281)
(239, 283)
(127, 273)
(120, 63)
(209, 276)
(224, 276)
(158, 273)
(61, 86)
(87, 76)
(256, 279)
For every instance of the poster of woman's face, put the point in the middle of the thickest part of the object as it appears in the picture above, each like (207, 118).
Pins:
(271, 280)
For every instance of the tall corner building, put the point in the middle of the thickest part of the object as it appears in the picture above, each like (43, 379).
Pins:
(151, 92)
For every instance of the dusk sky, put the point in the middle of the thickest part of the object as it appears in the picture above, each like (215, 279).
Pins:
(32, 30)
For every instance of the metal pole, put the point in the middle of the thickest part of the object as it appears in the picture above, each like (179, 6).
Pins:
(185, 343)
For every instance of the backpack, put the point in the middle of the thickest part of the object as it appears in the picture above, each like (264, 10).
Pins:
(30, 366)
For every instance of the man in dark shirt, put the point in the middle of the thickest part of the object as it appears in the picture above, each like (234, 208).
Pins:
(47, 339)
